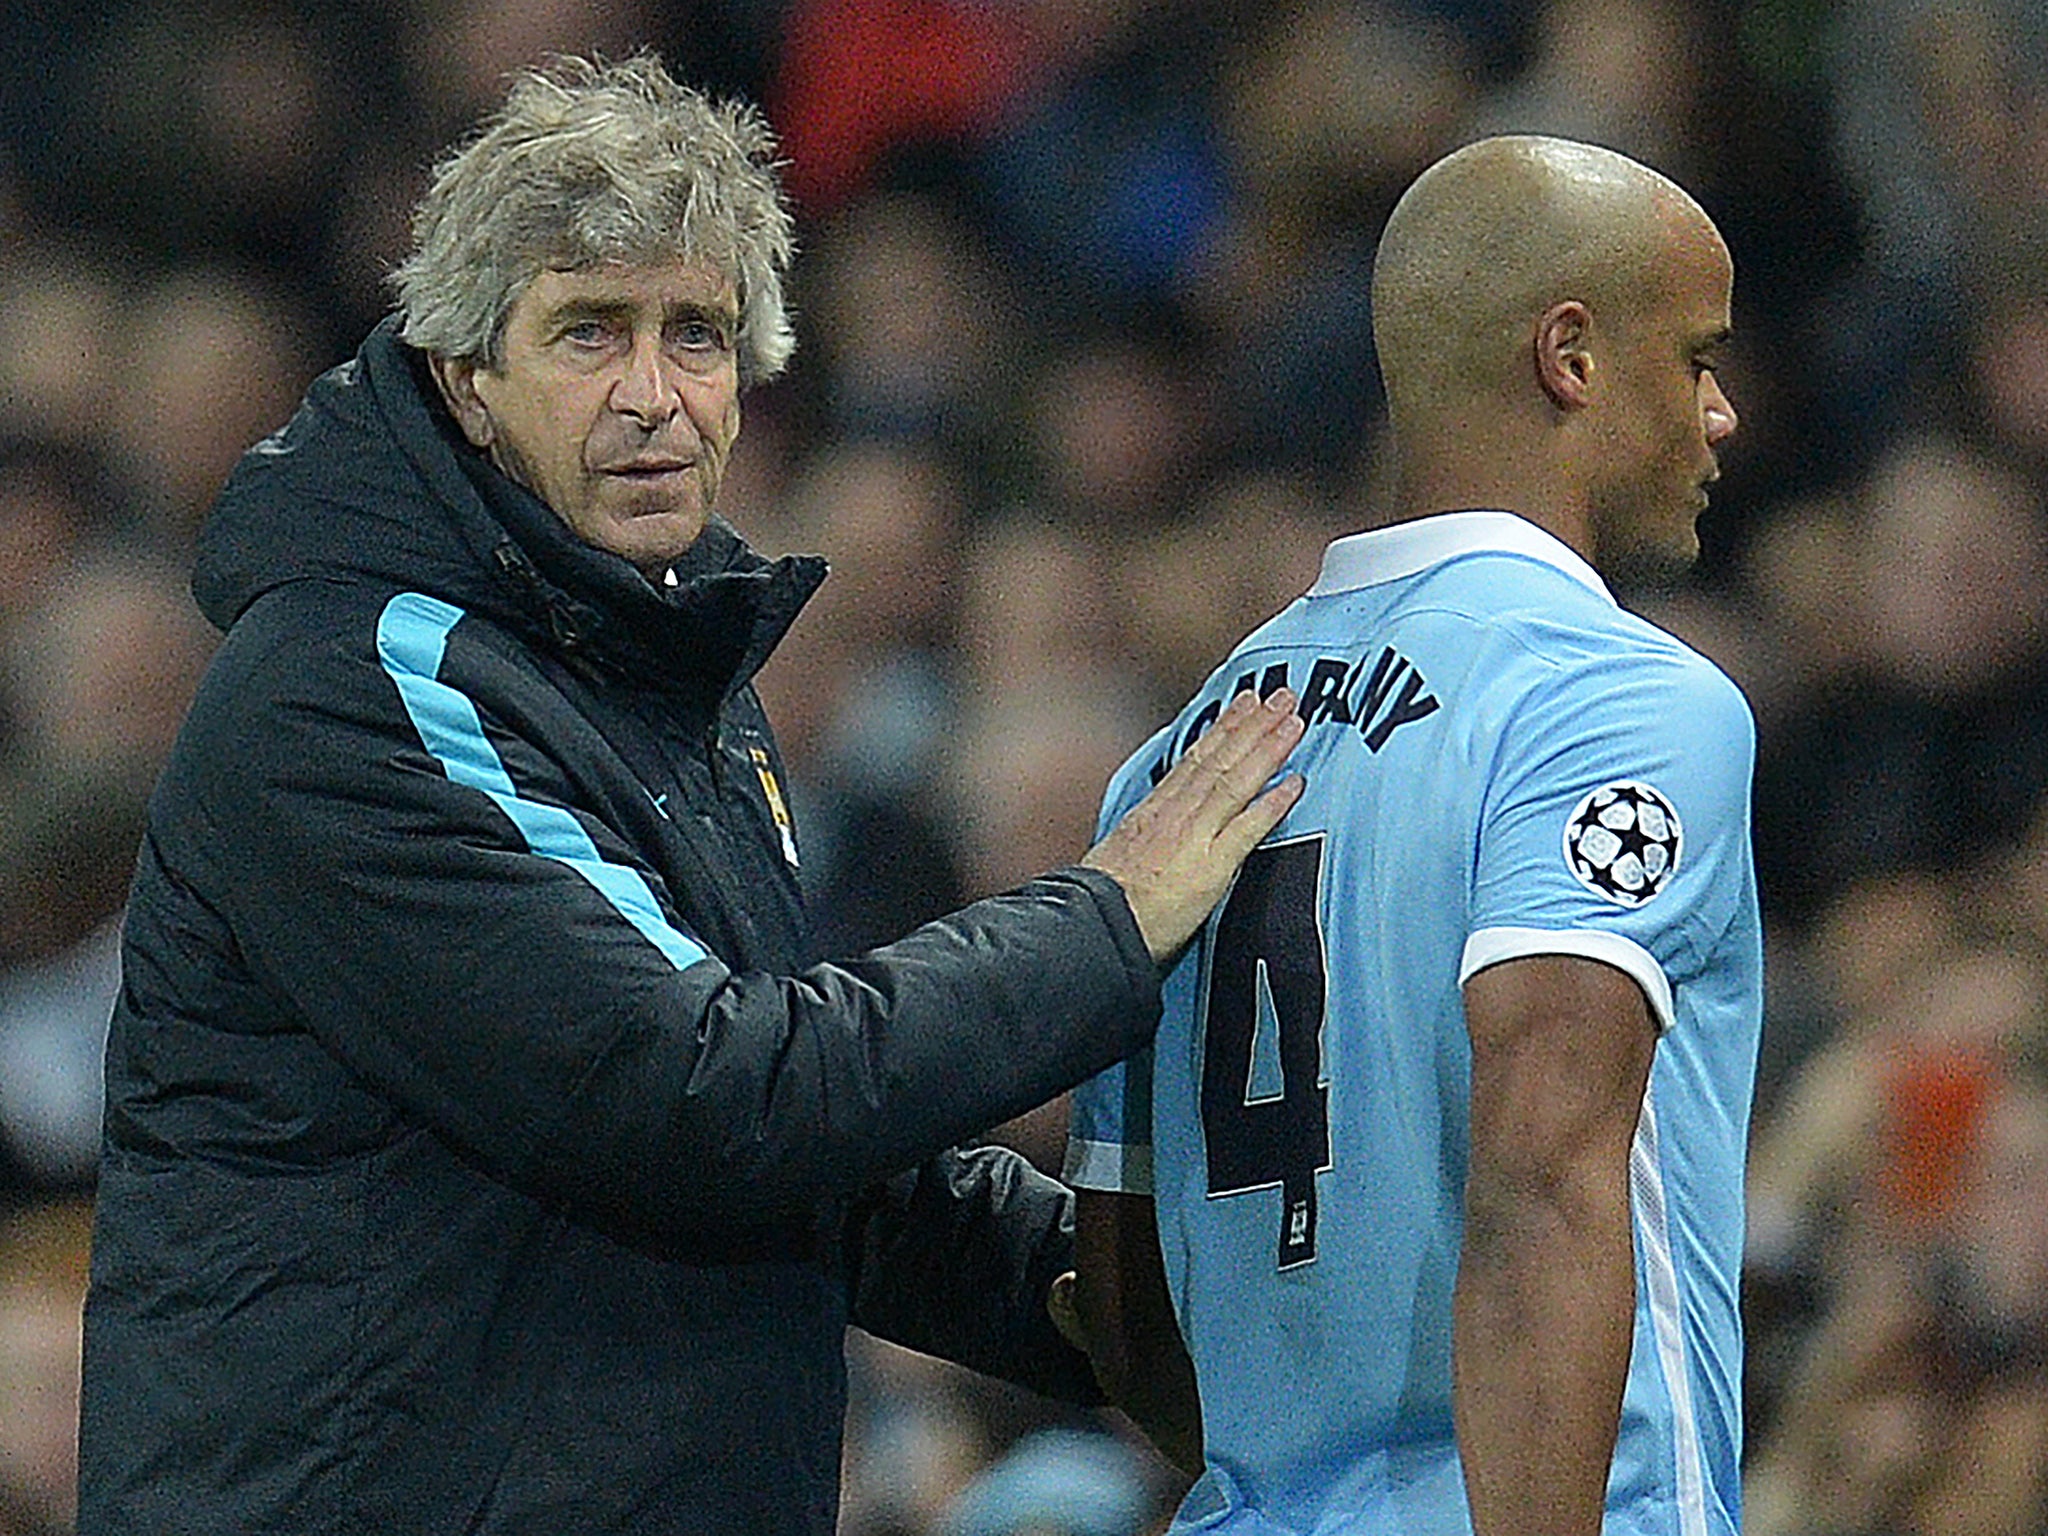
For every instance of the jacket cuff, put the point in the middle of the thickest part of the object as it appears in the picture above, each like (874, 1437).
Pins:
(1115, 907)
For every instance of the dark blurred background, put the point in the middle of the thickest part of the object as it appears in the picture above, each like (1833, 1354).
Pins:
(1085, 382)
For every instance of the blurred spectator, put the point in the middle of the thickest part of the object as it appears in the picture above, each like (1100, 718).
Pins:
(887, 516)
(1802, 574)
(934, 1452)
(1623, 73)
(1921, 1403)
(53, 1036)
(914, 324)
(1955, 568)
(1941, 127)
(1023, 780)
(98, 675)
(103, 670)
(859, 688)
(1027, 766)
(213, 131)
(1870, 1132)
(1038, 598)
(1330, 110)
(1927, 741)
(1326, 112)
(58, 345)
(1761, 138)
(458, 54)
(214, 358)
(1245, 546)
(861, 82)
(2009, 375)
(373, 201)
(915, 1438)
(1104, 185)
(1867, 1140)
(1121, 433)
(52, 498)
(42, 1289)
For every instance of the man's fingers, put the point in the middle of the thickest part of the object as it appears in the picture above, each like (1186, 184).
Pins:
(1175, 852)
(1235, 732)
(1257, 757)
(1230, 726)
(1246, 830)
(1237, 754)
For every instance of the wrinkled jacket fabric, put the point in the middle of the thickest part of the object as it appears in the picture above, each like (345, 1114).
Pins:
(482, 1152)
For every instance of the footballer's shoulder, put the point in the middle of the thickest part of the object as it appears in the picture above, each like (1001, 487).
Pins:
(1698, 673)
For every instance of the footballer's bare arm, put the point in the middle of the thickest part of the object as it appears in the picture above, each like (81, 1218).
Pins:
(1116, 1308)
(1544, 1310)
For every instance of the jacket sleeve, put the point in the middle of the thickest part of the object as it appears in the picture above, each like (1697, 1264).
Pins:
(451, 920)
(957, 1257)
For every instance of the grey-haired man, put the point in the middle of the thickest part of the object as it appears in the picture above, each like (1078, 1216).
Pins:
(481, 1154)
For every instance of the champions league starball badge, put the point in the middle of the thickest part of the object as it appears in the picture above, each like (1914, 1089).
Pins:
(1622, 842)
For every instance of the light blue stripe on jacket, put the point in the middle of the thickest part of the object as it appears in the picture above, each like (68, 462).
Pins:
(412, 634)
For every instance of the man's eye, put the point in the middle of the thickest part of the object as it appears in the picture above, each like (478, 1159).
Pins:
(588, 333)
(696, 334)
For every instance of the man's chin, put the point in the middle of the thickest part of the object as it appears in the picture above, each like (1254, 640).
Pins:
(651, 536)
(1651, 567)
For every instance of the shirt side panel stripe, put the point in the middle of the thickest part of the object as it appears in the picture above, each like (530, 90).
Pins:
(412, 635)
(1666, 1322)
(1105, 1165)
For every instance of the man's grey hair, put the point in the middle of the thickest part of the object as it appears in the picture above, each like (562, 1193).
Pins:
(594, 163)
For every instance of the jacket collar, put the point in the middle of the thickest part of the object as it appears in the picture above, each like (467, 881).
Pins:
(704, 633)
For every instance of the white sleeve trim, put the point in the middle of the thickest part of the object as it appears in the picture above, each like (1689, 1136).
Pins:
(1490, 946)
(1108, 1166)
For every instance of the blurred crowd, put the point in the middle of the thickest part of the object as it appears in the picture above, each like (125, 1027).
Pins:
(1085, 381)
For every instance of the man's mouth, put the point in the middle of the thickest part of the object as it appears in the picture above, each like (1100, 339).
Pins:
(651, 469)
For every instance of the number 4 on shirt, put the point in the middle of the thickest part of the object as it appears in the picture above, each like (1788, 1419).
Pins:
(1265, 1106)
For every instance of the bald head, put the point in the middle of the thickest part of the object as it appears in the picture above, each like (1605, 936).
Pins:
(1488, 239)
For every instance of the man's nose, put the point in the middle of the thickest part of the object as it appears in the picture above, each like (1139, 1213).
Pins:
(644, 390)
(1720, 415)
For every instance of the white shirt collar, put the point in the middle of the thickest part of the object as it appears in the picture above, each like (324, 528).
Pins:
(1386, 554)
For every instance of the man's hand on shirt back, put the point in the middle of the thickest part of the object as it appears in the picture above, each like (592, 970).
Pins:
(1175, 852)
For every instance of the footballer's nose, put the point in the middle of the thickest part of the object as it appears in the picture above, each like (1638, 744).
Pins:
(1718, 413)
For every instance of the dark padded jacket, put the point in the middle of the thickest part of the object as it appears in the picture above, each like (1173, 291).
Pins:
(481, 1153)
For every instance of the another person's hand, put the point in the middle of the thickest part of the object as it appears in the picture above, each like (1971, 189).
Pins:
(1175, 852)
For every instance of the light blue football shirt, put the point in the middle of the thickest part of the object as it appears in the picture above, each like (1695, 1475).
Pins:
(1501, 762)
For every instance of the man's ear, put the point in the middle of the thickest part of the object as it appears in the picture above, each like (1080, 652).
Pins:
(458, 388)
(1564, 355)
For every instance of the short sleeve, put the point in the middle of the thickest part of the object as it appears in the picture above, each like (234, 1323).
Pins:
(1616, 824)
(1109, 1129)
(1109, 1118)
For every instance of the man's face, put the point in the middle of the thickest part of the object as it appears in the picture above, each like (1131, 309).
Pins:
(617, 402)
(1666, 414)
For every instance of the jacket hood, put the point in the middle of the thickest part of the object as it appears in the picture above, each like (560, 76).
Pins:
(371, 481)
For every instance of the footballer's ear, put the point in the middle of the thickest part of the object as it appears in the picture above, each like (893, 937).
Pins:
(457, 379)
(1564, 355)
